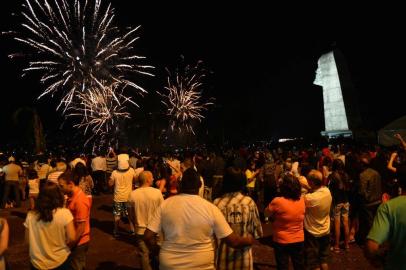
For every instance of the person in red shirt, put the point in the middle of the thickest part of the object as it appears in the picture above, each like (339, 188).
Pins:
(78, 203)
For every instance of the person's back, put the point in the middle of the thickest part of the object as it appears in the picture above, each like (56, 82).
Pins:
(49, 230)
(287, 222)
(12, 172)
(242, 215)
(286, 214)
(370, 192)
(99, 164)
(317, 219)
(11, 185)
(111, 161)
(370, 186)
(123, 181)
(48, 239)
(390, 226)
(189, 223)
(146, 200)
(339, 183)
(111, 164)
(317, 222)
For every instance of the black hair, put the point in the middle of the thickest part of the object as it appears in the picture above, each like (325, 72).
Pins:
(80, 170)
(290, 187)
(190, 182)
(233, 180)
(338, 165)
(69, 177)
(32, 174)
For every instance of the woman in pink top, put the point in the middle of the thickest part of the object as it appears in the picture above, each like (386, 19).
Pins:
(287, 214)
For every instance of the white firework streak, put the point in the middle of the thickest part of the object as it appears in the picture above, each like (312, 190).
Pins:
(100, 110)
(76, 44)
(183, 98)
(84, 59)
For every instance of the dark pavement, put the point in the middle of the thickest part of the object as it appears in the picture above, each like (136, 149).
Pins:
(106, 252)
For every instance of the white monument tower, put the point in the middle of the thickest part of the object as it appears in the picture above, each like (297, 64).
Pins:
(335, 115)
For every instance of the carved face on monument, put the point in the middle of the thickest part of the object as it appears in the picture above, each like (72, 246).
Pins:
(334, 110)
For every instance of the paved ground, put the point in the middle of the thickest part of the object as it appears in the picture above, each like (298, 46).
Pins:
(105, 252)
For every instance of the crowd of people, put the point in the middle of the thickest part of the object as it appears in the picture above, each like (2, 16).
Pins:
(204, 209)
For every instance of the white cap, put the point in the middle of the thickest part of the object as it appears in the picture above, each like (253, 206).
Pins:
(11, 159)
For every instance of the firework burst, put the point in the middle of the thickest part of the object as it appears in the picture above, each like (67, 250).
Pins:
(183, 98)
(100, 110)
(77, 48)
(82, 57)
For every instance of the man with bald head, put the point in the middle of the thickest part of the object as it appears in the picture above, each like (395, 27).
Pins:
(317, 222)
(143, 203)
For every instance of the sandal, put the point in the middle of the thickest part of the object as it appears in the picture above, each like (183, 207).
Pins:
(335, 249)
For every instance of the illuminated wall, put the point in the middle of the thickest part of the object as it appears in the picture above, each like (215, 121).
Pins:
(334, 110)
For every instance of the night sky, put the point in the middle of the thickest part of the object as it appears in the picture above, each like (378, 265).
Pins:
(263, 61)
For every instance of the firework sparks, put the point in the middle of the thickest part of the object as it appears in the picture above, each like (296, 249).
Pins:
(77, 47)
(183, 97)
(82, 57)
(100, 111)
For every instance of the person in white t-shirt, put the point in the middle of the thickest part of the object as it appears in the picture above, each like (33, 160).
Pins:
(188, 224)
(13, 173)
(33, 184)
(122, 179)
(49, 230)
(123, 160)
(143, 203)
(99, 168)
(317, 222)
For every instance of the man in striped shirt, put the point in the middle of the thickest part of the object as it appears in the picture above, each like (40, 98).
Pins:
(111, 162)
(242, 214)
